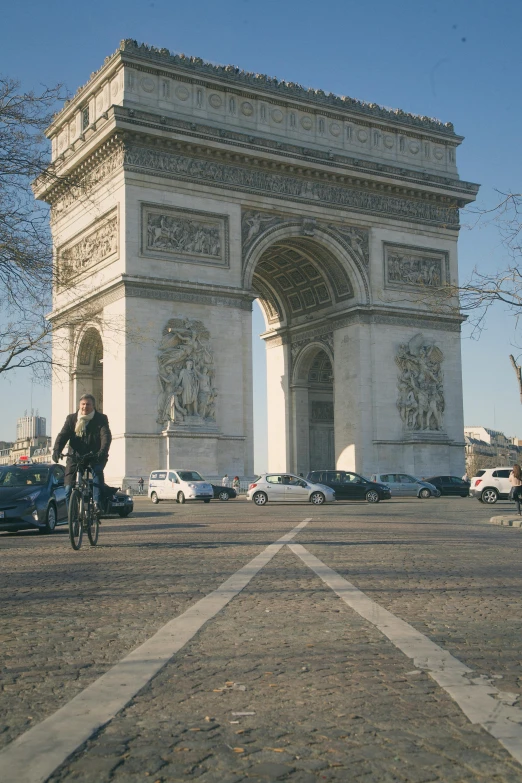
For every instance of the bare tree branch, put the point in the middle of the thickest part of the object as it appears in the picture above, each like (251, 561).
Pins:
(518, 373)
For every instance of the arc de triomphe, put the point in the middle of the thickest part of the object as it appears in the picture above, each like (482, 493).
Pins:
(182, 191)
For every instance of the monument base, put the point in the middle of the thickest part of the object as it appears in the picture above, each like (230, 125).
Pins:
(209, 452)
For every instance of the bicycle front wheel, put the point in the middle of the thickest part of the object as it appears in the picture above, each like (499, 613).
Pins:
(93, 525)
(75, 520)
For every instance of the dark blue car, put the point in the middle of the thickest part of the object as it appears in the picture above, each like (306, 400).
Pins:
(32, 496)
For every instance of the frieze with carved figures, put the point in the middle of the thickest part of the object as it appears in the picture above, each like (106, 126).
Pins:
(185, 235)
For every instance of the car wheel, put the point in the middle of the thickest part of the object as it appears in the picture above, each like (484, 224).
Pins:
(50, 520)
(206, 500)
(223, 496)
(154, 497)
(424, 493)
(317, 498)
(181, 497)
(260, 499)
(372, 496)
(489, 495)
(464, 496)
(123, 512)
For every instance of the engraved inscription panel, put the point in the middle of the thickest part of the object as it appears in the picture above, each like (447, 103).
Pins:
(186, 235)
(414, 267)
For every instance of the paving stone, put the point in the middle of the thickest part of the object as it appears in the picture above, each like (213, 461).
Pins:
(270, 770)
(345, 705)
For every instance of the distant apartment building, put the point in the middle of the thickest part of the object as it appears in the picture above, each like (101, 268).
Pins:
(30, 427)
(31, 441)
(486, 448)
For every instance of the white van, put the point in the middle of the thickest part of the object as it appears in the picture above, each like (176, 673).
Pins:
(180, 485)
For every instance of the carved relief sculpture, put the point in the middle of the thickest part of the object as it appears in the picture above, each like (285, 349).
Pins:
(249, 179)
(358, 239)
(186, 372)
(420, 385)
(183, 234)
(93, 247)
(411, 267)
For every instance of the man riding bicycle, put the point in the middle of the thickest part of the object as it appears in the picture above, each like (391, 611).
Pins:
(87, 432)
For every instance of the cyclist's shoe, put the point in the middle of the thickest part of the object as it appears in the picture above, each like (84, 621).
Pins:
(97, 511)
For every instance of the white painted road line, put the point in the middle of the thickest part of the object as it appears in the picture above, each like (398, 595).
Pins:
(478, 699)
(33, 756)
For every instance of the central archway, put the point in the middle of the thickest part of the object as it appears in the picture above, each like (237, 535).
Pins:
(299, 281)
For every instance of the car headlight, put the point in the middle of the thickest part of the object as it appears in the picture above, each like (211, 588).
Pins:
(32, 497)
(192, 486)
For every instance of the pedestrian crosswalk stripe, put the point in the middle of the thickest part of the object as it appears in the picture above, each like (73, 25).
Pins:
(33, 756)
(476, 696)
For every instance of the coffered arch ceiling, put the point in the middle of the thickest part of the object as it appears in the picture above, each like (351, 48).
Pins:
(298, 276)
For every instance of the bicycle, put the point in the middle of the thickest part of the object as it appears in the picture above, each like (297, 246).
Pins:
(81, 513)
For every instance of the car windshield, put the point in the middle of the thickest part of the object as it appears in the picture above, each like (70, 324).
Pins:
(189, 475)
(23, 477)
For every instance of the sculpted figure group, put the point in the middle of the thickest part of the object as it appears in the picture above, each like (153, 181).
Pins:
(186, 372)
(420, 385)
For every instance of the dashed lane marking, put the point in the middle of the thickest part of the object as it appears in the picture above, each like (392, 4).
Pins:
(33, 756)
(478, 699)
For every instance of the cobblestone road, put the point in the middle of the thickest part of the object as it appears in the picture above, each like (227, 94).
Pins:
(331, 698)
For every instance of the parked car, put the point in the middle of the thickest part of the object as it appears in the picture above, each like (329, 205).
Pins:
(350, 486)
(450, 485)
(285, 486)
(180, 485)
(114, 501)
(223, 493)
(32, 496)
(405, 485)
(490, 485)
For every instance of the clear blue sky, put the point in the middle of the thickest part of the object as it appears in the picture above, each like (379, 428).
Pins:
(457, 60)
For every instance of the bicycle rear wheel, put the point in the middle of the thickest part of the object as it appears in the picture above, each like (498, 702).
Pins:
(75, 519)
(93, 524)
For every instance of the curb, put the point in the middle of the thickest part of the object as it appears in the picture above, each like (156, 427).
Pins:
(508, 521)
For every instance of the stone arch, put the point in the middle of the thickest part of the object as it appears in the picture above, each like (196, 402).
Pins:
(299, 268)
(303, 357)
(313, 407)
(88, 366)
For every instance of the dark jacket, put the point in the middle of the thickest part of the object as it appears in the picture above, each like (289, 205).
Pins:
(97, 436)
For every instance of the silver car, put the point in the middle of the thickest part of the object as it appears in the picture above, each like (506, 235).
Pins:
(405, 485)
(284, 486)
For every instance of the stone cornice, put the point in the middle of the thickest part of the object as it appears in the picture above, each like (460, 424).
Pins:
(154, 288)
(362, 314)
(174, 291)
(254, 143)
(185, 161)
(131, 52)
(147, 127)
(330, 190)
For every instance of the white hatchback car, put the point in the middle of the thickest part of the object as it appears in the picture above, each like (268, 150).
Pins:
(284, 486)
(180, 485)
(490, 485)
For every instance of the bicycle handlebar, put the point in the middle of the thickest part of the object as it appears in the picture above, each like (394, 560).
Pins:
(81, 459)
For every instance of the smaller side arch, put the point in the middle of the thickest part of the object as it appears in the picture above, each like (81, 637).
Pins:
(312, 408)
(303, 357)
(87, 366)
